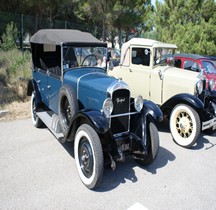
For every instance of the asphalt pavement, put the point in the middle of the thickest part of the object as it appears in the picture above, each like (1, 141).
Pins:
(38, 172)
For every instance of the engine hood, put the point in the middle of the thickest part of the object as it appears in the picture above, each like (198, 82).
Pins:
(177, 73)
(92, 86)
(175, 81)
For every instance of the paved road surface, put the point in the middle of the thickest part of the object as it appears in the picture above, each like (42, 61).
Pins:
(37, 172)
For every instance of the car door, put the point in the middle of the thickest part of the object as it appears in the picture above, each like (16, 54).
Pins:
(54, 75)
(40, 77)
(156, 84)
(136, 74)
(53, 86)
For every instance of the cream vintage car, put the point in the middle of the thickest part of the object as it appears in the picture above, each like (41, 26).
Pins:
(183, 96)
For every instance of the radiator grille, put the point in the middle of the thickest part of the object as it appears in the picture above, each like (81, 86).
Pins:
(121, 102)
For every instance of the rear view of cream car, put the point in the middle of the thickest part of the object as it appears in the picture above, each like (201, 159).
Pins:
(183, 96)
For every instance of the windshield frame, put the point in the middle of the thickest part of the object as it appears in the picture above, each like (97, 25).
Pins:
(163, 55)
(76, 55)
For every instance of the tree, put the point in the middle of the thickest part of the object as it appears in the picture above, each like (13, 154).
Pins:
(45, 8)
(96, 13)
(115, 16)
(190, 24)
(131, 15)
(103, 18)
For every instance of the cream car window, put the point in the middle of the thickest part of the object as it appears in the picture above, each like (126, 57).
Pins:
(141, 56)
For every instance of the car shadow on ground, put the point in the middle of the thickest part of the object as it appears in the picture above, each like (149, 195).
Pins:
(204, 142)
(125, 171)
(69, 147)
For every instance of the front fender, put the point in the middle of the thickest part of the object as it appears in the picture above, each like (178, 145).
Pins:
(184, 98)
(152, 109)
(94, 118)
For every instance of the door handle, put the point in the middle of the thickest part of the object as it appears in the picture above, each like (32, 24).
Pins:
(160, 73)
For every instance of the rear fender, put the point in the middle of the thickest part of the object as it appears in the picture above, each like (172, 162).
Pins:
(32, 86)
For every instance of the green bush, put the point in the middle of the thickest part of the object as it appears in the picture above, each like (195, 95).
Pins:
(15, 71)
(9, 37)
(15, 64)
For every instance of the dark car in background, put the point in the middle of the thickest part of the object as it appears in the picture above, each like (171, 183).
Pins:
(79, 102)
(197, 63)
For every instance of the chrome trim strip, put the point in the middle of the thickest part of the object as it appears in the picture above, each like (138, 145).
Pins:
(120, 134)
(125, 114)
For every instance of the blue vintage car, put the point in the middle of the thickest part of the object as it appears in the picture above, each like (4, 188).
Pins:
(74, 97)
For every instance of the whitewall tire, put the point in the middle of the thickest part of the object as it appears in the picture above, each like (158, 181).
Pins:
(88, 156)
(37, 122)
(184, 125)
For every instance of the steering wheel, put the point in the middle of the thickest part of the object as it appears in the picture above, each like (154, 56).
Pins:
(90, 60)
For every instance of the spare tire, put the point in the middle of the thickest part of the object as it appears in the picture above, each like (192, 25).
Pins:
(67, 107)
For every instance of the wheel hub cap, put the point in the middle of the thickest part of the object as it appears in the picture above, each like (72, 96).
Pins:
(86, 158)
(184, 124)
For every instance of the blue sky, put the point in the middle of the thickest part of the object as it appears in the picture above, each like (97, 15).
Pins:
(153, 1)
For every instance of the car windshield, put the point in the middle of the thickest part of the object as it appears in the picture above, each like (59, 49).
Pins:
(208, 67)
(84, 56)
(163, 55)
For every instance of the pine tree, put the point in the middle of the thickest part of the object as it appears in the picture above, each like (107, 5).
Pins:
(189, 24)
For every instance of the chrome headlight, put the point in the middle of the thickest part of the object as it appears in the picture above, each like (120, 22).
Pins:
(199, 87)
(138, 103)
(211, 84)
(107, 107)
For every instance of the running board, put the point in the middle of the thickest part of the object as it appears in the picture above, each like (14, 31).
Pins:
(51, 120)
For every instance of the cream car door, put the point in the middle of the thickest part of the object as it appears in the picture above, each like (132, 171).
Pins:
(137, 74)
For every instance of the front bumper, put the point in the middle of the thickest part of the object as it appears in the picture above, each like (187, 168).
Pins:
(209, 124)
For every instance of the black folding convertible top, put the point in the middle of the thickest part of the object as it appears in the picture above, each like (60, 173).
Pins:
(65, 36)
